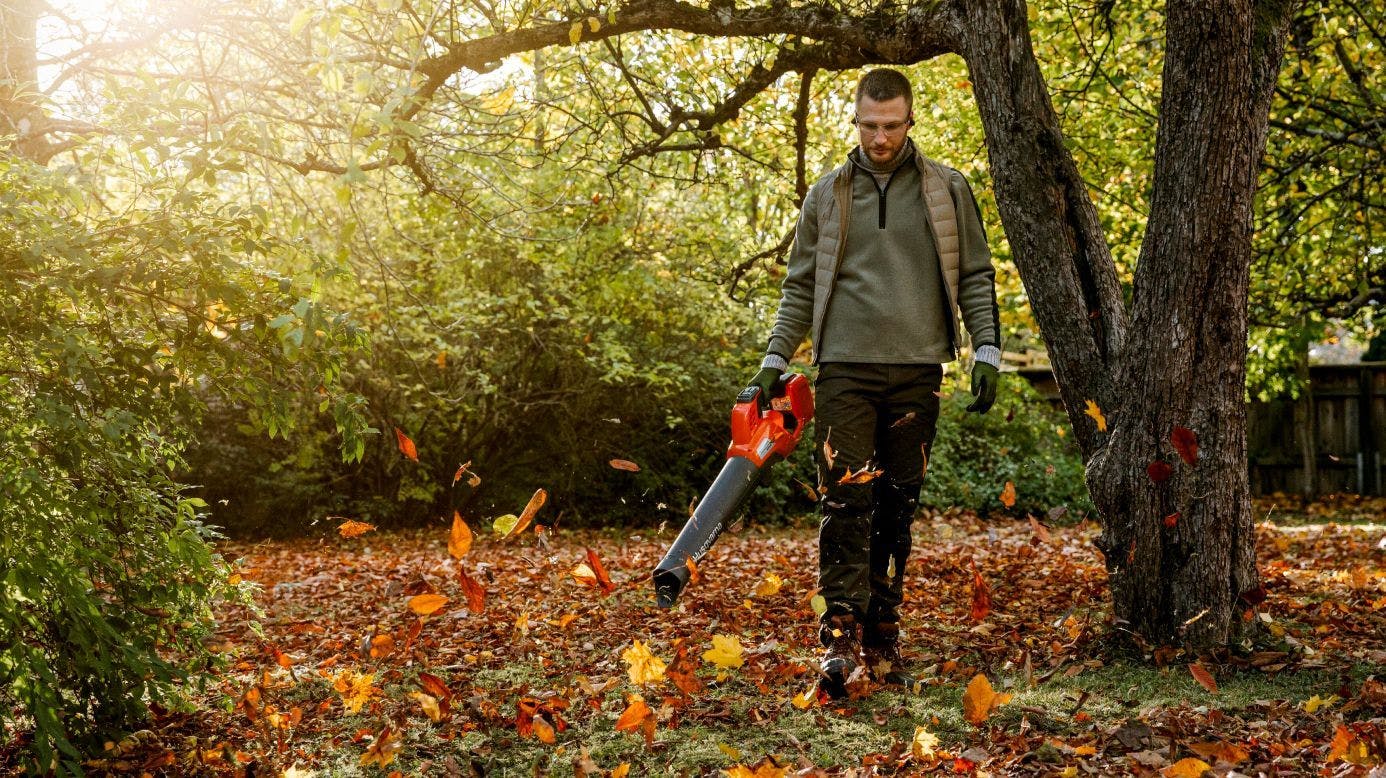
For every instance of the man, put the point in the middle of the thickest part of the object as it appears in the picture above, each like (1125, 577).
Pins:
(888, 250)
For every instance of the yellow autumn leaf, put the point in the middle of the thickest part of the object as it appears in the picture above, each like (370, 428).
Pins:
(731, 752)
(923, 744)
(1314, 703)
(980, 700)
(642, 665)
(355, 688)
(725, 652)
(424, 604)
(1186, 768)
(295, 771)
(383, 751)
(575, 33)
(765, 769)
(805, 699)
(1096, 414)
(429, 704)
(500, 102)
(769, 586)
(583, 574)
(593, 24)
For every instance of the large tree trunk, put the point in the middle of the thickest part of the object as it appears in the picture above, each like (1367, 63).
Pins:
(20, 115)
(1175, 579)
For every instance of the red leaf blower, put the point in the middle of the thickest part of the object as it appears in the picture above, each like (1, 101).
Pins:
(759, 438)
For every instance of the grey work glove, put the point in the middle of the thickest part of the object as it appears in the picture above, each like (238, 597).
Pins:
(765, 380)
(984, 381)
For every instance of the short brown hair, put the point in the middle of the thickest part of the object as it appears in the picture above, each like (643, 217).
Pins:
(885, 84)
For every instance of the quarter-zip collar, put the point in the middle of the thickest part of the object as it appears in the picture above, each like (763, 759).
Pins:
(882, 174)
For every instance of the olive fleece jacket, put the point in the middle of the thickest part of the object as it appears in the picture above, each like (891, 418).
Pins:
(886, 294)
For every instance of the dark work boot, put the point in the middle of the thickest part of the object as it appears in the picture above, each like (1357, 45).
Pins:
(841, 639)
(880, 646)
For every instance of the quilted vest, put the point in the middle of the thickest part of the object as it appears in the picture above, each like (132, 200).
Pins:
(834, 215)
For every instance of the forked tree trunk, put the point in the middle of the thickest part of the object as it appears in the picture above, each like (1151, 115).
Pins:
(1179, 552)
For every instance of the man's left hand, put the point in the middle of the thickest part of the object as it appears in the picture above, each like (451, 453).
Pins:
(984, 381)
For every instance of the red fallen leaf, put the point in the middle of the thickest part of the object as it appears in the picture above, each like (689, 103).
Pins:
(1204, 677)
(1172, 520)
(681, 670)
(476, 596)
(1253, 597)
(625, 464)
(414, 630)
(434, 686)
(1159, 471)
(981, 595)
(1186, 443)
(406, 446)
(603, 580)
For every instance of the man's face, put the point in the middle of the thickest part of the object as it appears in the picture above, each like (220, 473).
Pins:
(882, 127)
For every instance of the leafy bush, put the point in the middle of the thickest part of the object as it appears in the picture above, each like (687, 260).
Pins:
(1023, 440)
(109, 322)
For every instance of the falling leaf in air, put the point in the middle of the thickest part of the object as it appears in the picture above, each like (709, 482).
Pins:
(1159, 471)
(406, 446)
(981, 595)
(829, 456)
(693, 575)
(584, 575)
(1204, 677)
(725, 652)
(1008, 495)
(624, 464)
(355, 688)
(923, 745)
(1172, 520)
(769, 586)
(1040, 532)
(424, 604)
(1096, 414)
(354, 528)
(460, 537)
(473, 480)
(819, 604)
(383, 750)
(642, 665)
(865, 475)
(599, 571)
(1186, 443)
(535, 503)
(472, 590)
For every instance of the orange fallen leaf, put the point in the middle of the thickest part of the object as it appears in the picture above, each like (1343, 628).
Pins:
(424, 604)
(406, 446)
(1186, 768)
(460, 538)
(980, 700)
(544, 731)
(1204, 677)
(354, 528)
(693, 576)
(638, 717)
(625, 464)
(681, 670)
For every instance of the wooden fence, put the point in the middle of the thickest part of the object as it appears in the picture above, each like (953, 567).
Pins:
(1330, 440)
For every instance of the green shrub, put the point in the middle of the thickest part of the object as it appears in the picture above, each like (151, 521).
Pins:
(1023, 439)
(107, 324)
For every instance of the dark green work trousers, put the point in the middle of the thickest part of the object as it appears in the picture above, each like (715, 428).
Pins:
(877, 417)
